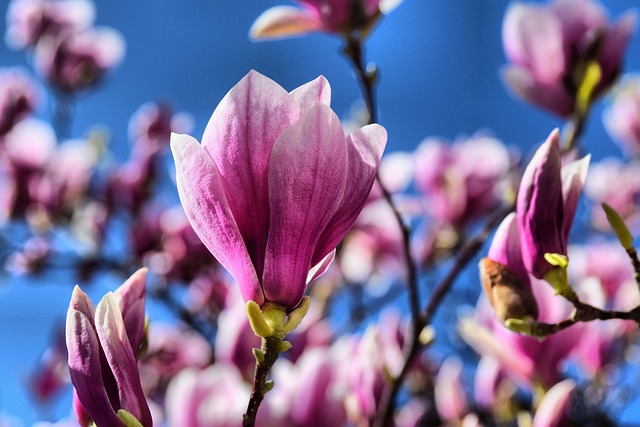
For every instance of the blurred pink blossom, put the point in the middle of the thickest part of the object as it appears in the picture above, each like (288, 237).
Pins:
(548, 47)
(332, 16)
(621, 117)
(18, 97)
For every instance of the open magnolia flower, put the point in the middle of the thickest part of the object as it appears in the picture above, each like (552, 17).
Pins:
(275, 185)
(331, 16)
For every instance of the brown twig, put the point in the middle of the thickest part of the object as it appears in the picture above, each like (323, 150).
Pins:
(270, 349)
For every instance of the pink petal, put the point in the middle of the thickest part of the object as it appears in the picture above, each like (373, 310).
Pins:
(319, 269)
(284, 21)
(532, 37)
(317, 90)
(614, 44)
(555, 402)
(451, 399)
(550, 96)
(574, 175)
(131, 300)
(239, 138)
(208, 211)
(364, 150)
(117, 349)
(85, 369)
(307, 177)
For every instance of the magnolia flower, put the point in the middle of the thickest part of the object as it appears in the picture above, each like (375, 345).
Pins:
(275, 185)
(547, 201)
(29, 20)
(332, 16)
(77, 61)
(554, 406)
(621, 118)
(102, 344)
(18, 97)
(549, 46)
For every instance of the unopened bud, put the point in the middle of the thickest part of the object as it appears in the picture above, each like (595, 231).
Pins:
(509, 296)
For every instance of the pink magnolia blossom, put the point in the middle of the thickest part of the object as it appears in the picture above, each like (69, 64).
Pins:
(459, 188)
(18, 97)
(78, 61)
(102, 343)
(621, 117)
(451, 399)
(547, 201)
(275, 185)
(152, 123)
(549, 45)
(332, 16)
(617, 184)
(29, 20)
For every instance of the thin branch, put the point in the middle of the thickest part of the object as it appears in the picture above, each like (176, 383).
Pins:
(414, 346)
(271, 351)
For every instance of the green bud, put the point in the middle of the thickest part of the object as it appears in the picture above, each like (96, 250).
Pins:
(519, 325)
(257, 320)
(618, 225)
(557, 260)
(275, 316)
(427, 335)
(128, 419)
(296, 316)
(268, 386)
(258, 354)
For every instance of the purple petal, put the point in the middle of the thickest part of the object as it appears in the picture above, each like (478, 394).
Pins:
(317, 90)
(131, 300)
(320, 268)
(364, 150)
(239, 138)
(284, 21)
(540, 209)
(117, 349)
(307, 177)
(532, 37)
(505, 247)
(208, 211)
(550, 96)
(81, 302)
(85, 369)
(574, 175)
(614, 44)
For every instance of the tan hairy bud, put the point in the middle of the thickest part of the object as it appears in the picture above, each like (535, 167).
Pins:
(508, 295)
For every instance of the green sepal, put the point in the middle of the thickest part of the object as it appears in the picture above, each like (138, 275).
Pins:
(284, 346)
(296, 316)
(275, 315)
(618, 225)
(258, 354)
(128, 419)
(257, 320)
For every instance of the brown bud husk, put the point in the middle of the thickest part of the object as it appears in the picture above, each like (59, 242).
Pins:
(509, 297)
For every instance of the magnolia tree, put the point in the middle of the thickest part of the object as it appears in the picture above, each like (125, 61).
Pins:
(285, 210)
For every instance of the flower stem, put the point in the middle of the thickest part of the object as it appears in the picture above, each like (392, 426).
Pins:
(271, 350)
(414, 346)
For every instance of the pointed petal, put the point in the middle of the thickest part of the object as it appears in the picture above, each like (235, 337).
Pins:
(574, 175)
(85, 369)
(317, 90)
(81, 302)
(131, 300)
(555, 402)
(239, 138)
(549, 96)
(505, 247)
(539, 207)
(307, 178)
(208, 211)
(364, 150)
(284, 21)
(321, 267)
(450, 397)
(122, 361)
(614, 44)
